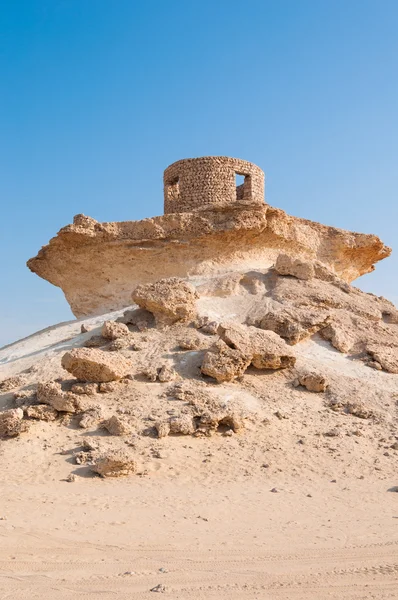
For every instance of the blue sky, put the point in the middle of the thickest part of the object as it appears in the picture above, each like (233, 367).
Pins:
(97, 97)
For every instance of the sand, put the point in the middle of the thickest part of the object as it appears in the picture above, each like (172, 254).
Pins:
(279, 511)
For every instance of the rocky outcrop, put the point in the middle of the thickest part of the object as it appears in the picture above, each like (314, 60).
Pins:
(98, 264)
(89, 364)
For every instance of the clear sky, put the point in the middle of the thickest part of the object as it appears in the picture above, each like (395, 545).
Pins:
(97, 97)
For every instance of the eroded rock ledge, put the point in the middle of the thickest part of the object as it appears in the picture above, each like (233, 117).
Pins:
(98, 264)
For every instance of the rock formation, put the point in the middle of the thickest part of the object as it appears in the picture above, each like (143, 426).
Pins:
(209, 228)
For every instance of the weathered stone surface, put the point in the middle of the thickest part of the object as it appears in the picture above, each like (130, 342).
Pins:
(178, 425)
(11, 423)
(41, 412)
(169, 300)
(85, 389)
(186, 244)
(120, 343)
(51, 393)
(11, 383)
(117, 425)
(194, 341)
(224, 363)
(183, 425)
(266, 349)
(313, 381)
(89, 364)
(139, 317)
(295, 325)
(166, 374)
(386, 356)
(111, 330)
(288, 265)
(114, 463)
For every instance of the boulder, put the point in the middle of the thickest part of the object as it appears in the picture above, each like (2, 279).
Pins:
(224, 363)
(169, 300)
(90, 364)
(314, 382)
(111, 330)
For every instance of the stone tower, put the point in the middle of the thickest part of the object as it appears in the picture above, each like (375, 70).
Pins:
(196, 184)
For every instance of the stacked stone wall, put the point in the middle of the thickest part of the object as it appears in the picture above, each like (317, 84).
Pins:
(201, 183)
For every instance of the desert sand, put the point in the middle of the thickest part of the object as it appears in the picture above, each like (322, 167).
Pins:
(300, 503)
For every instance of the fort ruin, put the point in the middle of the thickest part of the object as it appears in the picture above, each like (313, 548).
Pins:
(208, 182)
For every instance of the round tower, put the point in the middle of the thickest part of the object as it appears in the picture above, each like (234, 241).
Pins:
(202, 183)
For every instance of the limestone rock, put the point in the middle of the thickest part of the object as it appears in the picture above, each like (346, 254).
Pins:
(11, 383)
(339, 337)
(114, 463)
(111, 330)
(108, 387)
(224, 363)
(266, 349)
(183, 425)
(85, 254)
(314, 382)
(169, 300)
(117, 426)
(90, 364)
(87, 389)
(287, 265)
(162, 428)
(294, 325)
(386, 356)
(166, 374)
(51, 393)
(41, 412)
(11, 423)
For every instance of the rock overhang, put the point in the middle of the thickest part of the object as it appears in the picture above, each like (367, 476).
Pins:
(210, 227)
